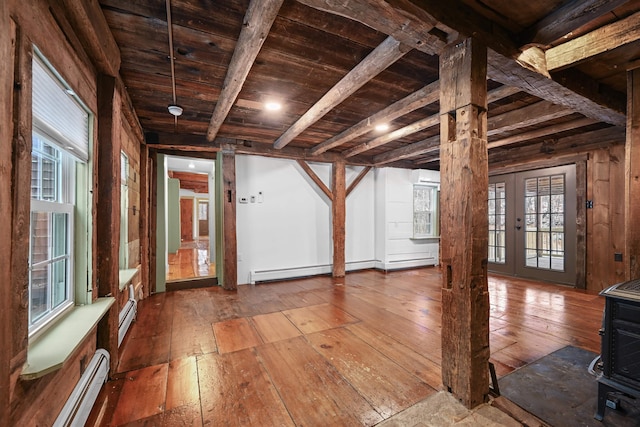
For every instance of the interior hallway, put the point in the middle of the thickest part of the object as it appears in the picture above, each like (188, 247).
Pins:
(317, 352)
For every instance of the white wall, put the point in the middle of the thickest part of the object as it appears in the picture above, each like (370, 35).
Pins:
(286, 231)
(396, 247)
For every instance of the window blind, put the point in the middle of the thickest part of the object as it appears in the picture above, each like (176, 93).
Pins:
(57, 114)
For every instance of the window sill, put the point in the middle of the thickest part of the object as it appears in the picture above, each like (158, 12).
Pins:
(50, 350)
(425, 238)
(126, 276)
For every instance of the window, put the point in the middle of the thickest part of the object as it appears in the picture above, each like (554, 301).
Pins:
(425, 201)
(497, 221)
(60, 139)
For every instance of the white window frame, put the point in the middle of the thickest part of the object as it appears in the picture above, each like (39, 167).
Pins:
(57, 110)
(425, 227)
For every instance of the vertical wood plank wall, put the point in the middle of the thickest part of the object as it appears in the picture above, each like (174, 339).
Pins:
(632, 175)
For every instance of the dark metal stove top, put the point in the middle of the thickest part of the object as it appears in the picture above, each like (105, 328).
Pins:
(627, 290)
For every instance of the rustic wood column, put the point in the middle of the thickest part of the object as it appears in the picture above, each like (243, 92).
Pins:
(464, 228)
(7, 314)
(632, 176)
(338, 210)
(230, 244)
(107, 208)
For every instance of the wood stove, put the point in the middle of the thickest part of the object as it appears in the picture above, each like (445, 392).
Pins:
(620, 357)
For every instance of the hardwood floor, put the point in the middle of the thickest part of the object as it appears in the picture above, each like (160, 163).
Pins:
(191, 261)
(318, 352)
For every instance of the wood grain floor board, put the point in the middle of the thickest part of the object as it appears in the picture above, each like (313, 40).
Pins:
(388, 387)
(319, 351)
(236, 391)
(314, 392)
(149, 383)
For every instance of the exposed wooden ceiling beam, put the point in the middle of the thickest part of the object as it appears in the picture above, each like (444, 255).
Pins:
(538, 133)
(591, 100)
(388, 52)
(493, 96)
(531, 115)
(256, 25)
(596, 42)
(384, 17)
(95, 35)
(392, 136)
(568, 17)
(418, 99)
(403, 22)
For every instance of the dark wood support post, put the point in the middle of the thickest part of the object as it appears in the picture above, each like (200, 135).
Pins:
(464, 228)
(338, 211)
(107, 207)
(7, 314)
(144, 220)
(230, 275)
(632, 176)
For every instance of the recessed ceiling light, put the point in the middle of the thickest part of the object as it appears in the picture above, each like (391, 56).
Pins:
(176, 110)
(382, 127)
(272, 106)
(191, 165)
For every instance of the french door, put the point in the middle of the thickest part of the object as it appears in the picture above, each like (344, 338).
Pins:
(532, 224)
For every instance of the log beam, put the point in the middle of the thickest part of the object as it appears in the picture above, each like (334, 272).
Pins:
(388, 52)
(632, 177)
(418, 99)
(464, 184)
(256, 25)
(338, 213)
(596, 42)
(357, 180)
(568, 17)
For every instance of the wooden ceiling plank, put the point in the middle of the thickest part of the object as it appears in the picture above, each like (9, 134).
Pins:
(256, 25)
(421, 98)
(388, 52)
(426, 146)
(493, 96)
(565, 19)
(315, 178)
(598, 41)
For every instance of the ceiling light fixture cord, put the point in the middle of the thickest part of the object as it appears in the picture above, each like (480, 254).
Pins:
(171, 57)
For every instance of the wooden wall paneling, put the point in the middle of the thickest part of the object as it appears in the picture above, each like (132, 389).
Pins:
(338, 213)
(464, 235)
(632, 174)
(230, 275)
(144, 220)
(108, 207)
(152, 219)
(21, 199)
(7, 51)
(581, 223)
(617, 212)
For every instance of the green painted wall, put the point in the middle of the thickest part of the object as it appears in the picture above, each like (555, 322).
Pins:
(161, 228)
(173, 215)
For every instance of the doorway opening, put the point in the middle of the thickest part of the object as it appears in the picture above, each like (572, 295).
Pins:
(191, 233)
(532, 224)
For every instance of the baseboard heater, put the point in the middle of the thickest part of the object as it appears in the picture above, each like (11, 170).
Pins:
(127, 315)
(257, 276)
(78, 407)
